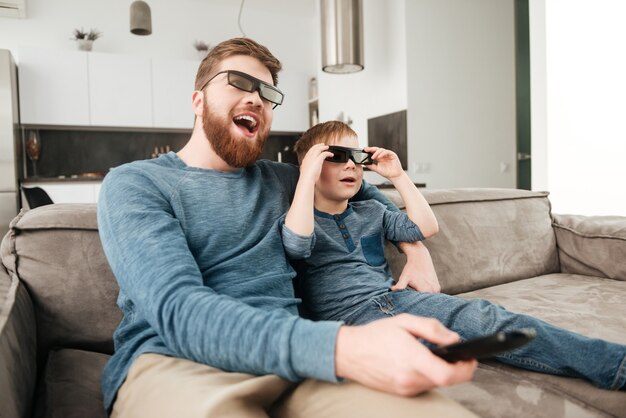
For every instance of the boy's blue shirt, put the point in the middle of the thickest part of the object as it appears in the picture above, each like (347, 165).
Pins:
(344, 260)
(202, 271)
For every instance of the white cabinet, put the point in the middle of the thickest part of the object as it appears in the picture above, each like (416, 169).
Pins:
(120, 90)
(172, 87)
(68, 192)
(53, 87)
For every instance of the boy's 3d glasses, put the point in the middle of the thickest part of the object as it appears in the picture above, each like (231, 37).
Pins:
(343, 154)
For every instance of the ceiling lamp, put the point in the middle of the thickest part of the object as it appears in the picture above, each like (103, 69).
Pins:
(342, 36)
(140, 18)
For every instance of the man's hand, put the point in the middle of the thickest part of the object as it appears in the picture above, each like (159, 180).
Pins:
(419, 271)
(385, 355)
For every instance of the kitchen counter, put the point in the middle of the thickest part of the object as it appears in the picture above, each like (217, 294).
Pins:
(79, 179)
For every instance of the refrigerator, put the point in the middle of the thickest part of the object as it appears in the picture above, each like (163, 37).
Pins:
(9, 141)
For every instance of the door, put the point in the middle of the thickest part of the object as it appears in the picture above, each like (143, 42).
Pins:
(522, 87)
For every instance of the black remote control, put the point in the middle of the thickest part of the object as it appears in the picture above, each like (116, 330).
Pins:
(488, 346)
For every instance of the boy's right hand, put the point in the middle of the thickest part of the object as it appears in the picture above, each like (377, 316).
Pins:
(311, 165)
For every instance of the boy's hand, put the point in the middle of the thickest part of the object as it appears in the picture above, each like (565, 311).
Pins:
(388, 164)
(311, 165)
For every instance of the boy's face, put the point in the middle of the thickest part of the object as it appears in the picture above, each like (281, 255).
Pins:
(338, 182)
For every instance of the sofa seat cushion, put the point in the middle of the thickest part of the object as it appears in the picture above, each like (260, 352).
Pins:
(588, 305)
(70, 387)
(498, 391)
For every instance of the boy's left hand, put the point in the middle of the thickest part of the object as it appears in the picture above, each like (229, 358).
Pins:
(388, 164)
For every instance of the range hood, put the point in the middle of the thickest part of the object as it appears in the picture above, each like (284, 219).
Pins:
(13, 8)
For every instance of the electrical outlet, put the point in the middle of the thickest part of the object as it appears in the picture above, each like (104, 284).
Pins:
(419, 168)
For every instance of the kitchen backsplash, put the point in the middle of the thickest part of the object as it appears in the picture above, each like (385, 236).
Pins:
(75, 152)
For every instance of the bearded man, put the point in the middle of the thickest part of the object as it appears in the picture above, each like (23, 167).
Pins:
(210, 324)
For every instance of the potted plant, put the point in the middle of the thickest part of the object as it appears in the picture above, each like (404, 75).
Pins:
(85, 39)
(202, 48)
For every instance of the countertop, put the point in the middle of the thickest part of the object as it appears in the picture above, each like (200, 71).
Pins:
(67, 179)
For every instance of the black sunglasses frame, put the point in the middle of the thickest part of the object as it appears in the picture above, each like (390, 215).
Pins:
(343, 154)
(257, 85)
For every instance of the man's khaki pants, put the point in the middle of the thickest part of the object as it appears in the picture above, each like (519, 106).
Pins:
(161, 386)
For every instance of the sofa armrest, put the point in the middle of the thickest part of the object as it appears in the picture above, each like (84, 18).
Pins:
(592, 245)
(18, 364)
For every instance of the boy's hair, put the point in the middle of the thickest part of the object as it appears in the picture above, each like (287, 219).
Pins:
(322, 133)
(236, 46)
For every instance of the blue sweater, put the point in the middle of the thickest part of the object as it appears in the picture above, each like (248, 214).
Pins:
(344, 258)
(202, 273)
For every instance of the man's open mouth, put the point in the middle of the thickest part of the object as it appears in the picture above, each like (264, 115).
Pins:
(247, 123)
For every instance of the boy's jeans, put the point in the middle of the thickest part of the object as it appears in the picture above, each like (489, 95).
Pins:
(554, 350)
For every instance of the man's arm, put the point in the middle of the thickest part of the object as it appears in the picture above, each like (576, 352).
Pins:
(419, 272)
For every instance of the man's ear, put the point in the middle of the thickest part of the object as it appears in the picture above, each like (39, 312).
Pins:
(197, 102)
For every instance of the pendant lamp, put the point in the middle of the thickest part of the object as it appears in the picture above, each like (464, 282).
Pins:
(140, 18)
(342, 36)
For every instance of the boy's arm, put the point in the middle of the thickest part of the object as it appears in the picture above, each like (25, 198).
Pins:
(419, 271)
(300, 219)
(417, 207)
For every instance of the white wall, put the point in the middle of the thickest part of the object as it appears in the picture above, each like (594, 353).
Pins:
(461, 92)
(585, 134)
(284, 27)
(381, 87)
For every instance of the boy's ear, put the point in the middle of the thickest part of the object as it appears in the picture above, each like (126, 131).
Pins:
(197, 102)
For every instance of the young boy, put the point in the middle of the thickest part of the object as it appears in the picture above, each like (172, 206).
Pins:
(347, 278)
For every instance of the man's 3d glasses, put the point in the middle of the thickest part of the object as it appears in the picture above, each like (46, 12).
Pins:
(246, 82)
(343, 154)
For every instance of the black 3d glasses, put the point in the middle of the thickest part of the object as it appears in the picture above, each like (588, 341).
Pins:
(246, 82)
(343, 154)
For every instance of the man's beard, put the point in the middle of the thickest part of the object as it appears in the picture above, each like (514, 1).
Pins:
(235, 151)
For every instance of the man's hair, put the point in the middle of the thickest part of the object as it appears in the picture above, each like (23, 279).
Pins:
(236, 46)
(322, 133)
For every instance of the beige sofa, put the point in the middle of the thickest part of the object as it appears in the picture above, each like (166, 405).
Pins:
(58, 310)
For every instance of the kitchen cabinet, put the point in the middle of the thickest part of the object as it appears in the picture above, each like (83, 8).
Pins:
(120, 90)
(97, 89)
(68, 192)
(53, 87)
(172, 87)
(77, 88)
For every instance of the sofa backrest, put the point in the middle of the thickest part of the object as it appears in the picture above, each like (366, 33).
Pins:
(56, 251)
(487, 237)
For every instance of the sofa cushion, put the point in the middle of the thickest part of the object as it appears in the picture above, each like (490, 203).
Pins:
(70, 387)
(498, 391)
(56, 251)
(487, 237)
(592, 245)
(591, 306)
(17, 348)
